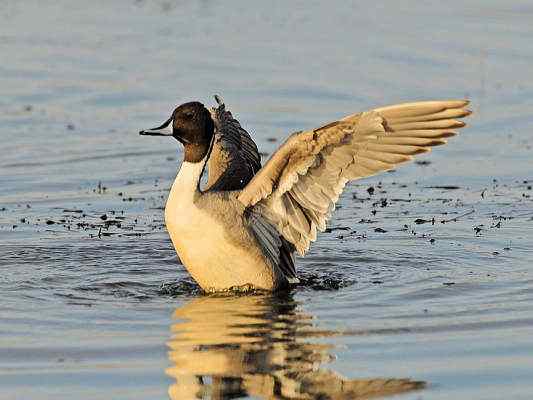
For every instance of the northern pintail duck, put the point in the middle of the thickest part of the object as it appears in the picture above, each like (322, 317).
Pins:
(242, 229)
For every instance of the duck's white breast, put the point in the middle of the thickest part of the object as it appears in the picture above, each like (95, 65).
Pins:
(212, 256)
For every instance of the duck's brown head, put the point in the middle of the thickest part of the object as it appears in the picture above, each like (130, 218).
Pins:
(190, 124)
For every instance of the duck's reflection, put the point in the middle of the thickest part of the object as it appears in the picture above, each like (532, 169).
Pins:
(233, 347)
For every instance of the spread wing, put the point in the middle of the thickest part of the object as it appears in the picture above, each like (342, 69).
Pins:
(234, 158)
(298, 187)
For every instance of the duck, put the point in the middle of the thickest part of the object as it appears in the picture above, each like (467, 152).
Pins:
(242, 228)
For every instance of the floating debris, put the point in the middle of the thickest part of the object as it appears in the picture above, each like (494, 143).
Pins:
(420, 221)
(339, 228)
(445, 187)
(422, 162)
(367, 221)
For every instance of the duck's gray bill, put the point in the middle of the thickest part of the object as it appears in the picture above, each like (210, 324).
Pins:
(163, 130)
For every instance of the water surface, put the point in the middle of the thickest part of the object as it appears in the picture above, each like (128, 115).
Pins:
(421, 288)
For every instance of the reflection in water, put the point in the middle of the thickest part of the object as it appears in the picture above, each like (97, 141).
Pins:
(231, 347)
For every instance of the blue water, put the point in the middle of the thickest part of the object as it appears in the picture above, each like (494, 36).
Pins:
(100, 308)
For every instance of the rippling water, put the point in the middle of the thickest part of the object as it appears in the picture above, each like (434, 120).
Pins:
(421, 288)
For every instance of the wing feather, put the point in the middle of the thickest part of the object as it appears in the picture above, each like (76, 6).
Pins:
(298, 187)
(437, 124)
(275, 247)
(234, 158)
(396, 148)
(410, 140)
(420, 133)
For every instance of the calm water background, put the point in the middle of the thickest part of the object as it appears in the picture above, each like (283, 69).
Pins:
(82, 312)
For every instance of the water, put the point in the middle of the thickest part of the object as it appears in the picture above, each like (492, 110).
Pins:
(93, 303)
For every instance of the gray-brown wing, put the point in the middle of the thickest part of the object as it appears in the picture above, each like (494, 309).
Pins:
(276, 248)
(234, 158)
(298, 187)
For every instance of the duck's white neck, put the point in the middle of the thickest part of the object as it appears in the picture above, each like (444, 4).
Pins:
(187, 181)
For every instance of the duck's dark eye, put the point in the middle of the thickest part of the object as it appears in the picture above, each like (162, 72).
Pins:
(187, 115)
